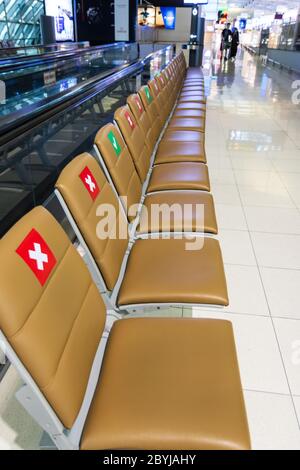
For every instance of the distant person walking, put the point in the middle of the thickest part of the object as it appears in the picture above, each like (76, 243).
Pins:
(226, 41)
(235, 41)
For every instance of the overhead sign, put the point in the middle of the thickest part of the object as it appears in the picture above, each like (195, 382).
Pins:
(122, 20)
(63, 13)
(243, 23)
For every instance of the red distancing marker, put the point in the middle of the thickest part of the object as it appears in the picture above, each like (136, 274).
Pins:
(130, 120)
(90, 183)
(37, 255)
(139, 105)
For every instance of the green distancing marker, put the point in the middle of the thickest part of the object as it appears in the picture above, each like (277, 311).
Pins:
(148, 95)
(111, 136)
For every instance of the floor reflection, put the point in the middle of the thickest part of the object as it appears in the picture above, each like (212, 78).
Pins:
(253, 101)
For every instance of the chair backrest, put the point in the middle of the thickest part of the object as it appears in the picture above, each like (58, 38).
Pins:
(89, 196)
(160, 99)
(137, 108)
(153, 113)
(51, 312)
(135, 140)
(168, 88)
(120, 167)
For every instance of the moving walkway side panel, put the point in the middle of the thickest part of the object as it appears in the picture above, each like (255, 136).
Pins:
(36, 143)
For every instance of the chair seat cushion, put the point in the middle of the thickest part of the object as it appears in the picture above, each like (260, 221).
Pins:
(196, 87)
(192, 93)
(168, 384)
(166, 271)
(189, 113)
(191, 105)
(172, 152)
(183, 136)
(184, 217)
(194, 73)
(198, 97)
(182, 175)
(194, 81)
(187, 123)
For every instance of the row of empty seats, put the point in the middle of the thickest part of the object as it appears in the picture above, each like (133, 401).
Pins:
(128, 157)
(100, 380)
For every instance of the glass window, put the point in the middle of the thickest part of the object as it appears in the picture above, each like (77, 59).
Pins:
(3, 31)
(19, 21)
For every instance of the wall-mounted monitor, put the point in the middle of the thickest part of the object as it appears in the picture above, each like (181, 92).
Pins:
(166, 17)
(63, 13)
(157, 17)
(147, 16)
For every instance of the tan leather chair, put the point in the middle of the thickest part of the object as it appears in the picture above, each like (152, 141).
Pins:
(193, 85)
(135, 141)
(191, 105)
(127, 183)
(162, 102)
(142, 117)
(172, 151)
(150, 383)
(159, 93)
(187, 88)
(169, 176)
(193, 119)
(184, 136)
(120, 168)
(187, 123)
(194, 73)
(152, 111)
(152, 275)
(186, 97)
(168, 151)
(156, 123)
(181, 176)
(191, 113)
(169, 87)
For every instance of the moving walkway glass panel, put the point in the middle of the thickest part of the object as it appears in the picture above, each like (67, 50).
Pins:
(32, 84)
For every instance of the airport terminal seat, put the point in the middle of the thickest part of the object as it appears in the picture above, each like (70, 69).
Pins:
(175, 175)
(163, 383)
(191, 105)
(169, 150)
(174, 367)
(182, 123)
(156, 122)
(199, 280)
(179, 175)
(125, 180)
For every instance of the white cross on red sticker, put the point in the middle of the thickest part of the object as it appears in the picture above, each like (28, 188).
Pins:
(37, 255)
(139, 105)
(90, 183)
(130, 120)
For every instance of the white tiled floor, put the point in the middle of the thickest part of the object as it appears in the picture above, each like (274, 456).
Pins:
(258, 208)
(253, 153)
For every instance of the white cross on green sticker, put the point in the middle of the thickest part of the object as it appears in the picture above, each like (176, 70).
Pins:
(111, 136)
(148, 95)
